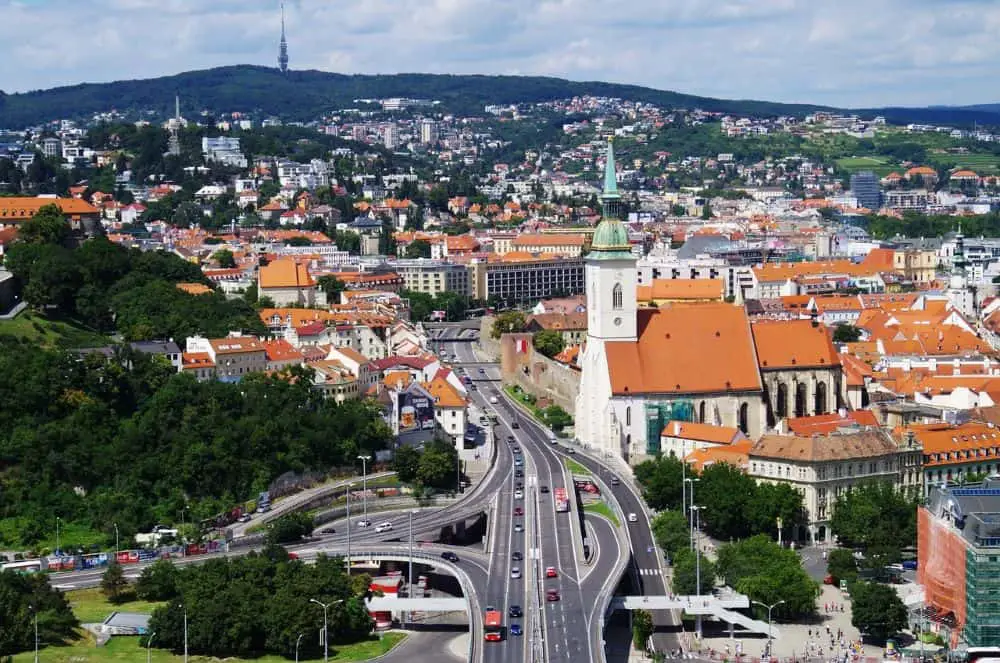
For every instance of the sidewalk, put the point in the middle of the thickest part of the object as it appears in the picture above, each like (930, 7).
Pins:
(797, 640)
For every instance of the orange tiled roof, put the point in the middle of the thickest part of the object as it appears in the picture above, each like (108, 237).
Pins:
(793, 344)
(444, 394)
(285, 273)
(880, 259)
(945, 444)
(686, 349)
(195, 360)
(829, 423)
(194, 288)
(773, 272)
(22, 208)
(394, 378)
(690, 430)
(855, 370)
(281, 350)
(681, 289)
(736, 454)
(236, 345)
(540, 239)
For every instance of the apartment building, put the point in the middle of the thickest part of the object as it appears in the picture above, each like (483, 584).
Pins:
(551, 244)
(519, 277)
(234, 357)
(434, 276)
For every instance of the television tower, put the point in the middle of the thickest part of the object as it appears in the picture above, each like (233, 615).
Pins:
(174, 143)
(283, 45)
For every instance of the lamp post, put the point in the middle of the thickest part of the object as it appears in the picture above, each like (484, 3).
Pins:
(348, 529)
(57, 535)
(364, 483)
(116, 540)
(409, 578)
(34, 611)
(326, 633)
(769, 609)
(690, 493)
(297, 641)
(458, 474)
(695, 518)
(149, 643)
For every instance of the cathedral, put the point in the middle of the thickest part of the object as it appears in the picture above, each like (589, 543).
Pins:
(644, 367)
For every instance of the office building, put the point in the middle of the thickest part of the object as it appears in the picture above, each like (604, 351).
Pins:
(433, 276)
(526, 278)
(428, 132)
(865, 187)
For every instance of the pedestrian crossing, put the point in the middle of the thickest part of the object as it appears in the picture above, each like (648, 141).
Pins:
(649, 572)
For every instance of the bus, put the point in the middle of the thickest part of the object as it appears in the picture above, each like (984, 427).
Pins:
(27, 566)
(983, 655)
(493, 626)
(562, 502)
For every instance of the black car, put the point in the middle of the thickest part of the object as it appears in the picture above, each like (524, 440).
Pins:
(450, 556)
(510, 439)
(543, 489)
(516, 556)
(518, 473)
(514, 424)
(515, 611)
(328, 530)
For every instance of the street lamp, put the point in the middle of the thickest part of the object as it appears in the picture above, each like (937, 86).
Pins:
(364, 483)
(149, 643)
(116, 540)
(184, 608)
(326, 633)
(695, 518)
(769, 609)
(57, 535)
(348, 529)
(34, 611)
(409, 579)
(297, 641)
(690, 480)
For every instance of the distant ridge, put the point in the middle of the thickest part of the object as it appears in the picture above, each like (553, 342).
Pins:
(304, 95)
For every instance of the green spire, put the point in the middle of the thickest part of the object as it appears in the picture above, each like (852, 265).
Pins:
(610, 175)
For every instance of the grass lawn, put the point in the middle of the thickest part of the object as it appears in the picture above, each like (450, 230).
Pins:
(127, 650)
(602, 509)
(40, 329)
(90, 605)
(576, 468)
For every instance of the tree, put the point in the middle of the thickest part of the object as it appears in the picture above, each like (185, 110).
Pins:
(225, 258)
(876, 610)
(508, 322)
(114, 583)
(856, 510)
(406, 463)
(437, 467)
(289, 529)
(642, 628)
(21, 597)
(557, 418)
(706, 212)
(661, 481)
(670, 529)
(158, 581)
(688, 571)
(332, 286)
(418, 248)
(768, 573)
(840, 564)
(844, 333)
(47, 226)
(549, 342)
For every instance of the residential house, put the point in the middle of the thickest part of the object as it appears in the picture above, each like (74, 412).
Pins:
(287, 281)
(234, 356)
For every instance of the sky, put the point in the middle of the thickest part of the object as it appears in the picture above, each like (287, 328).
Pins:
(849, 53)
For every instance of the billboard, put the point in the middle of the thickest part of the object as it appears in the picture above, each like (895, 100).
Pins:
(416, 412)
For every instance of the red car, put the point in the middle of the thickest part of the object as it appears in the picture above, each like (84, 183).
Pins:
(550, 572)
(518, 511)
(552, 595)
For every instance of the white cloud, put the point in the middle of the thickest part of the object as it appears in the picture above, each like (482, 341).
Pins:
(849, 52)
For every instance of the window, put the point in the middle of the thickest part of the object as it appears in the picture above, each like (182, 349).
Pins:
(628, 416)
(616, 297)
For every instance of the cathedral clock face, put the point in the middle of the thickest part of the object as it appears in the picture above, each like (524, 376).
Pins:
(618, 322)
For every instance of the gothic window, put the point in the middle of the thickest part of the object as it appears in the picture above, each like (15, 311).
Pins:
(616, 297)
(744, 418)
(628, 416)
(701, 412)
(820, 398)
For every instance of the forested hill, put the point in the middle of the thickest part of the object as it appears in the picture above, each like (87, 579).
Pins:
(303, 95)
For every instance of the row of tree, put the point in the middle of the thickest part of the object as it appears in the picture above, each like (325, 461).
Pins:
(735, 505)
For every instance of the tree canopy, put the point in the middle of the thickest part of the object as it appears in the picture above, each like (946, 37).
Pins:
(876, 610)
(549, 342)
(21, 596)
(858, 511)
(765, 572)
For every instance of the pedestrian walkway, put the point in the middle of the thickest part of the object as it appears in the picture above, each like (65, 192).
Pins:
(830, 635)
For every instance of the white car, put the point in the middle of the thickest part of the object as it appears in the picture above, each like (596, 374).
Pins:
(364, 523)
(383, 527)
(515, 572)
(518, 494)
(493, 400)
(632, 518)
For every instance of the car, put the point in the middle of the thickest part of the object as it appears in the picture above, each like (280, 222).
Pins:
(543, 489)
(245, 518)
(328, 530)
(519, 486)
(383, 527)
(519, 473)
(515, 572)
(515, 425)
(516, 450)
(828, 580)
(910, 564)
(570, 450)
(551, 595)
(493, 400)
(518, 461)
(518, 511)
(490, 608)
(515, 629)
(472, 387)
(615, 481)
(482, 371)
(550, 572)
(364, 523)
(516, 556)
(632, 518)
(510, 439)
(518, 494)
(518, 527)
(515, 611)
(450, 556)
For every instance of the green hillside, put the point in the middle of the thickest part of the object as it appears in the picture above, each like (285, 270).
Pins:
(303, 95)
